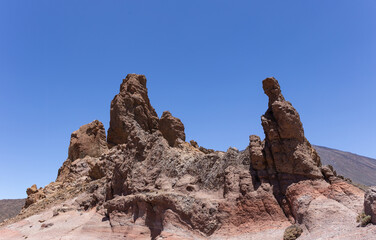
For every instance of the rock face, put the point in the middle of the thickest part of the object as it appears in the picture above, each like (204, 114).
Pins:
(287, 151)
(89, 140)
(171, 128)
(131, 110)
(370, 203)
(151, 184)
(33, 195)
(86, 145)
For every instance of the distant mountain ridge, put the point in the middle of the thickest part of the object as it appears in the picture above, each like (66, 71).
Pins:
(10, 208)
(359, 169)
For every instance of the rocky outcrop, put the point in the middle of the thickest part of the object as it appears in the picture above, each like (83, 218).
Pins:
(33, 195)
(286, 149)
(89, 140)
(370, 203)
(171, 128)
(86, 145)
(151, 183)
(131, 110)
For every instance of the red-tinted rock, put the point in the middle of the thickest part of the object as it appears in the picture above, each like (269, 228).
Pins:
(290, 152)
(89, 140)
(131, 110)
(171, 128)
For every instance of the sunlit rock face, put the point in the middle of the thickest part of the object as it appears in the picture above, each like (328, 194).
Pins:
(131, 110)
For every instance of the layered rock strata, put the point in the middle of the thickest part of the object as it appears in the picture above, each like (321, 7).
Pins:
(152, 183)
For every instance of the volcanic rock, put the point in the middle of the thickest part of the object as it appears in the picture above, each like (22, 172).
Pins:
(287, 150)
(33, 195)
(256, 151)
(31, 190)
(152, 184)
(370, 203)
(131, 110)
(172, 128)
(86, 145)
(89, 140)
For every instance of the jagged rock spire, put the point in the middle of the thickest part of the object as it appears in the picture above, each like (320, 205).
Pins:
(131, 109)
(286, 150)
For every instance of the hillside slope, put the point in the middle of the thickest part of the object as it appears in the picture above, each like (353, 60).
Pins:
(358, 168)
(10, 208)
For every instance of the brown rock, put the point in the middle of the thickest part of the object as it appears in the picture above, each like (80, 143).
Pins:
(144, 189)
(131, 109)
(31, 190)
(33, 195)
(290, 152)
(89, 140)
(256, 153)
(370, 203)
(193, 143)
(328, 172)
(171, 128)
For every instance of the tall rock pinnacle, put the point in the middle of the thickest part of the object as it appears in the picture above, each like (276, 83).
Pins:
(131, 109)
(286, 149)
(171, 128)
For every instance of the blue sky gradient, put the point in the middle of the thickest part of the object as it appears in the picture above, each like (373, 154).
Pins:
(62, 62)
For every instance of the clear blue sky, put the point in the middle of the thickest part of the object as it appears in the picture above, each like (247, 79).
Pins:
(61, 63)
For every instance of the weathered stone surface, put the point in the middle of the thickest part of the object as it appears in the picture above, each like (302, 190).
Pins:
(33, 195)
(290, 152)
(328, 172)
(130, 110)
(370, 203)
(172, 128)
(31, 190)
(256, 150)
(89, 140)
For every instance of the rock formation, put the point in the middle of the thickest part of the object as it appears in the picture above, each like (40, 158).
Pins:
(171, 128)
(287, 151)
(152, 184)
(89, 140)
(33, 195)
(131, 110)
(86, 145)
(370, 203)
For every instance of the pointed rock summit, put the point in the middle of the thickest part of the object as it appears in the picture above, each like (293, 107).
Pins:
(286, 151)
(131, 110)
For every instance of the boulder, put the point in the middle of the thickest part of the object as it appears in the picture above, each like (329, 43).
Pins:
(33, 195)
(370, 203)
